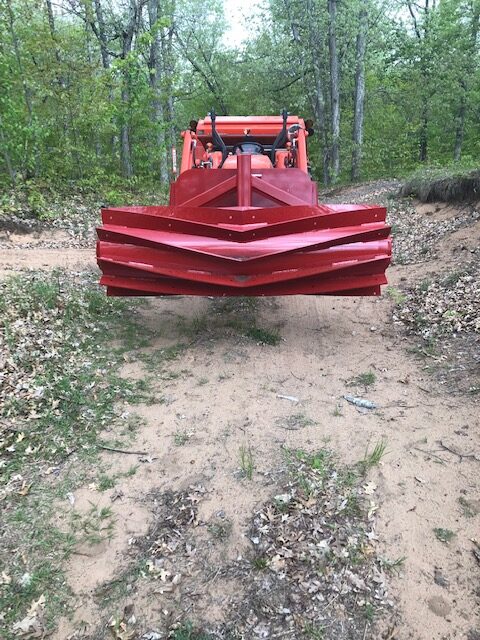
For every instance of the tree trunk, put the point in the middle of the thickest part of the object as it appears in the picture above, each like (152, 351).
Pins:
(155, 65)
(359, 97)
(6, 155)
(128, 32)
(462, 107)
(173, 132)
(460, 124)
(169, 68)
(318, 102)
(51, 24)
(100, 32)
(125, 150)
(334, 87)
(69, 123)
(102, 37)
(26, 91)
(423, 153)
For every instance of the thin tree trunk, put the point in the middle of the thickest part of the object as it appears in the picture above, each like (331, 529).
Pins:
(73, 146)
(168, 66)
(129, 31)
(422, 36)
(460, 125)
(206, 72)
(462, 107)
(359, 97)
(102, 37)
(334, 87)
(125, 149)
(101, 34)
(423, 153)
(310, 53)
(6, 155)
(155, 78)
(318, 101)
(173, 131)
(51, 24)
(26, 88)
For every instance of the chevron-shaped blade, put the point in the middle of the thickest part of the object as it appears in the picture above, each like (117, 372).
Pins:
(284, 250)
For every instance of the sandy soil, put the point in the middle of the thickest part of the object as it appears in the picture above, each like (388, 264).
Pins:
(222, 393)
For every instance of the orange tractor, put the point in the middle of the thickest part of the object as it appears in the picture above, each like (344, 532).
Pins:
(244, 220)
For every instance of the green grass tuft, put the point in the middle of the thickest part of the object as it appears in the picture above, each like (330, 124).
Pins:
(366, 379)
(247, 463)
(372, 458)
(263, 336)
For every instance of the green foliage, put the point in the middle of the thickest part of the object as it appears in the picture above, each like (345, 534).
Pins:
(444, 535)
(66, 105)
(187, 632)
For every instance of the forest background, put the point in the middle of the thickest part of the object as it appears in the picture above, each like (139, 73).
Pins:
(96, 92)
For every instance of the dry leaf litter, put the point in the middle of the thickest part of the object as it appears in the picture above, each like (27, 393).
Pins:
(311, 564)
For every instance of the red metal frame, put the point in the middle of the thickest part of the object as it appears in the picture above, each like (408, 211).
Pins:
(243, 231)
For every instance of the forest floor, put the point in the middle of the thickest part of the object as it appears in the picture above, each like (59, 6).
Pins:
(191, 468)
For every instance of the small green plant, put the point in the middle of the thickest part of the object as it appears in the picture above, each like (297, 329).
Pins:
(181, 437)
(202, 381)
(318, 461)
(352, 506)
(193, 328)
(452, 279)
(401, 258)
(392, 566)
(295, 421)
(263, 336)
(260, 563)
(93, 527)
(424, 285)
(396, 295)
(131, 471)
(365, 379)
(220, 529)
(444, 535)
(337, 412)
(247, 464)
(187, 632)
(314, 631)
(469, 508)
(105, 482)
(372, 458)
(369, 611)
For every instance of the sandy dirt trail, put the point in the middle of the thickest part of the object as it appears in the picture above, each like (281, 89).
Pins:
(226, 396)
(223, 392)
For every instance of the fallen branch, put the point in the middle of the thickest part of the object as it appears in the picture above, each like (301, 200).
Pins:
(133, 453)
(457, 453)
(430, 453)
